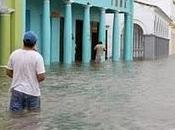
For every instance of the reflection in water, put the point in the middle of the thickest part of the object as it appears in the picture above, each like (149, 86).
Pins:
(109, 96)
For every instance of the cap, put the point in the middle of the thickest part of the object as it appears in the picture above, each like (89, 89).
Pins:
(30, 37)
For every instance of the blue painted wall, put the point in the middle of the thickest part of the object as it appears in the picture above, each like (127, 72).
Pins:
(35, 9)
(121, 5)
(34, 20)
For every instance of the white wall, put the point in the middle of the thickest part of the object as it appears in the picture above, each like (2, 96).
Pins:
(2, 3)
(166, 5)
(109, 23)
(172, 42)
(173, 10)
(161, 27)
(145, 17)
(163, 4)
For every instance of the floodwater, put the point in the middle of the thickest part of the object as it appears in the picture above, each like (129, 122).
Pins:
(108, 96)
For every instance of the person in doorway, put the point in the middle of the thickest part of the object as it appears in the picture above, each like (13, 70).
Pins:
(100, 55)
(26, 68)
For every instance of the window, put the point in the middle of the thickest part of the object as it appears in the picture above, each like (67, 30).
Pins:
(125, 3)
(116, 3)
(155, 24)
(121, 3)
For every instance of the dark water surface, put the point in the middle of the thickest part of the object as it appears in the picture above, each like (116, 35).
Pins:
(109, 96)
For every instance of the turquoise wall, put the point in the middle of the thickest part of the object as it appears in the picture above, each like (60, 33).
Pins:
(35, 11)
(108, 4)
(57, 11)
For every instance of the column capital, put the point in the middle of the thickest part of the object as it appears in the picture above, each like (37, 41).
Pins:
(116, 11)
(88, 5)
(68, 1)
(6, 10)
(103, 9)
(47, 1)
(129, 14)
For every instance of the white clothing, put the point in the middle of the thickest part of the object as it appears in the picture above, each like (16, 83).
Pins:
(100, 53)
(26, 64)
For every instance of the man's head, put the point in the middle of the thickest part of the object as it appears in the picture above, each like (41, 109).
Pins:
(29, 39)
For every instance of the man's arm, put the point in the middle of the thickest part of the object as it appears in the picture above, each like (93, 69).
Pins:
(95, 48)
(104, 49)
(9, 67)
(41, 77)
(9, 72)
(40, 69)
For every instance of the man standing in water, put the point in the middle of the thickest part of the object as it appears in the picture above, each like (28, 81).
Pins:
(100, 55)
(26, 68)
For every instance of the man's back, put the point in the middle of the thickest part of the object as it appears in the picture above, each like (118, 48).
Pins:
(100, 55)
(26, 64)
(100, 49)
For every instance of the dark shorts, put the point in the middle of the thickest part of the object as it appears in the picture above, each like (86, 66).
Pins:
(20, 101)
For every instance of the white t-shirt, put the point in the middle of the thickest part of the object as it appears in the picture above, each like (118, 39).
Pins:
(26, 64)
(100, 49)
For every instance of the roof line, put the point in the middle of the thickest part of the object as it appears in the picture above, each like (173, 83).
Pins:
(146, 4)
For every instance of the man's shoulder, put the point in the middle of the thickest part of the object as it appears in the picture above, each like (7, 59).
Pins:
(15, 52)
(37, 55)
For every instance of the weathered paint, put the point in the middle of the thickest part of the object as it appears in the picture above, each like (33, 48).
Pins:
(116, 38)
(39, 21)
(12, 25)
(4, 38)
(46, 31)
(102, 29)
(35, 17)
(55, 40)
(8, 3)
(128, 34)
(73, 38)
(17, 23)
(67, 58)
(86, 35)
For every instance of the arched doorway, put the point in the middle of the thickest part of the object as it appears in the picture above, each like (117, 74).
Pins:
(138, 46)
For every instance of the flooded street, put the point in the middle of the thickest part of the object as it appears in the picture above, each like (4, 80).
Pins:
(109, 96)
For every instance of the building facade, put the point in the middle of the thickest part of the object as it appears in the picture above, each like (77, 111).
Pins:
(68, 30)
(168, 6)
(12, 23)
(151, 31)
(151, 35)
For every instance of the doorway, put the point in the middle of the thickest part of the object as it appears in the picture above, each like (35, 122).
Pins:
(79, 32)
(138, 47)
(106, 45)
(61, 39)
(94, 36)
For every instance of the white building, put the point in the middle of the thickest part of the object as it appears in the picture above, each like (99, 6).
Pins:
(151, 31)
(168, 6)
